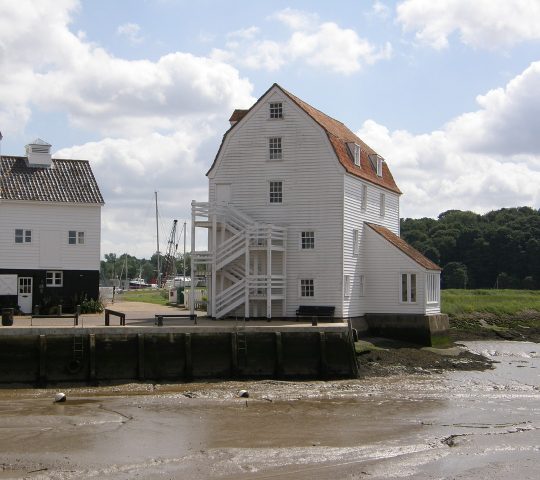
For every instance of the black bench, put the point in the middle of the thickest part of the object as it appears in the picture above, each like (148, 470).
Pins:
(160, 317)
(108, 313)
(314, 312)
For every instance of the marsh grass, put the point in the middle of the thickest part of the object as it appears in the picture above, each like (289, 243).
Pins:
(497, 302)
(146, 295)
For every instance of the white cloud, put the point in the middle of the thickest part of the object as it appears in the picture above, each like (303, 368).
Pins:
(321, 45)
(479, 161)
(380, 9)
(159, 118)
(488, 24)
(131, 31)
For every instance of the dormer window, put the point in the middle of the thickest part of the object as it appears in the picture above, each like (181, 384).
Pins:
(356, 154)
(276, 110)
(377, 162)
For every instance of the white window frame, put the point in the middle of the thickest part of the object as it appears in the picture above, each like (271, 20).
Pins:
(408, 293)
(78, 237)
(25, 235)
(270, 182)
(361, 285)
(379, 166)
(364, 198)
(347, 286)
(54, 278)
(382, 204)
(275, 110)
(356, 154)
(356, 242)
(307, 238)
(275, 148)
(433, 288)
(304, 286)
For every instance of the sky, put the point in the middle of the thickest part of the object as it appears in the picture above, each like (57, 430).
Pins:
(447, 91)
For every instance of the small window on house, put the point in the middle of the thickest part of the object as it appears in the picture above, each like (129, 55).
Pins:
(361, 285)
(276, 110)
(23, 236)
(276, 192)
(75, 237)
(274, 147)
(433, 288)
(307, 287)
(382, 204)
(54, 279)
(408, 288)
(357, 155)
(363, 201)
(356, 241)
(379, 166)
(346, 286)
(308, 240)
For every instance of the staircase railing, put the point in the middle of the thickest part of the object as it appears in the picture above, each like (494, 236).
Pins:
(230, 298)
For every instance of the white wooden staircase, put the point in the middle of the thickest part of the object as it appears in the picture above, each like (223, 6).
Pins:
(238, 266)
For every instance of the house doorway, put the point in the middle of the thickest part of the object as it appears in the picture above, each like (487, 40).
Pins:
(25, 294)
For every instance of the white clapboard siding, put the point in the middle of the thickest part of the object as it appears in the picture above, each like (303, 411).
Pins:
(52, 221)
(312, 193)
(385, 264)
(354, 217)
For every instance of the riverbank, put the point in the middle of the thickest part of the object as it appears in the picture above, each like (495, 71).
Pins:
(453, 425)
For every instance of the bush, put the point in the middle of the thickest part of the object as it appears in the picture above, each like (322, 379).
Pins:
(89, 305)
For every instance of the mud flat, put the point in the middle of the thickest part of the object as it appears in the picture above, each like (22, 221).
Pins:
(449, 425)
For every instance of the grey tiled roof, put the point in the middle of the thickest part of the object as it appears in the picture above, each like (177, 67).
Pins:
(70, 181)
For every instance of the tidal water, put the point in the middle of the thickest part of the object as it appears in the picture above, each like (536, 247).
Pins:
(454, 425)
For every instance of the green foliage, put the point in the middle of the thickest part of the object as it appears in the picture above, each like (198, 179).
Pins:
(500, 248)
(90, 305)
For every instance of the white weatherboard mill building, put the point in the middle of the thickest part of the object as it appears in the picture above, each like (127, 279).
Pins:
(50, 230)
(302, 212)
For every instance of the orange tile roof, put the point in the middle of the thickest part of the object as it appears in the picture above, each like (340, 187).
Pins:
(339, 135)
(237, 115)
(404, 247)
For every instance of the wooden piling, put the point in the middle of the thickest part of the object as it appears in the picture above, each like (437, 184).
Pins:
(92, 350)
(42, 377)
(323, 363)
(279, 355)
(188, 365)
(140, 352)
(234, 355)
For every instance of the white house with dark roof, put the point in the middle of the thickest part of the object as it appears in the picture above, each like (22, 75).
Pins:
(50, 230)
(302, 212)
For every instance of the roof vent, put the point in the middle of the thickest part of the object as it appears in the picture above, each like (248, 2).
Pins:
(38, 153)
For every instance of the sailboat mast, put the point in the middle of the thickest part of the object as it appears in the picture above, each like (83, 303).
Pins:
(184, 257)
(157, 236)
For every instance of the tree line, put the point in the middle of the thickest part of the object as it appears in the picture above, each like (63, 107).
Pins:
(119, 266)
(500, 249)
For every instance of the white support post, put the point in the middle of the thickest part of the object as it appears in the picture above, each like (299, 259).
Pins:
(213, 273)
(192, 289)
(246, 299)
(269, 272)
(284, 273)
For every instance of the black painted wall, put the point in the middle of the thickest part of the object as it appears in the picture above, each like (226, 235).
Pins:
(76, 284)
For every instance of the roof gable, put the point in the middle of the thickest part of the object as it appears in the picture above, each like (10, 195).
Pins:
(338, 135)
(69, 181)
(402, 245)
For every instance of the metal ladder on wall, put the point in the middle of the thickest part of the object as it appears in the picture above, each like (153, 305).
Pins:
(241, 341)
(78, 348)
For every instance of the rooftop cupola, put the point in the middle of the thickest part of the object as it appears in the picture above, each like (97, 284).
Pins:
(38, 153)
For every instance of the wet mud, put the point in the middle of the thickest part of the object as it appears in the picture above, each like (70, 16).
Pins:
(434, 423)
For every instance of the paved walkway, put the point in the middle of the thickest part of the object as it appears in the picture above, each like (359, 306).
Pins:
(140, 314)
